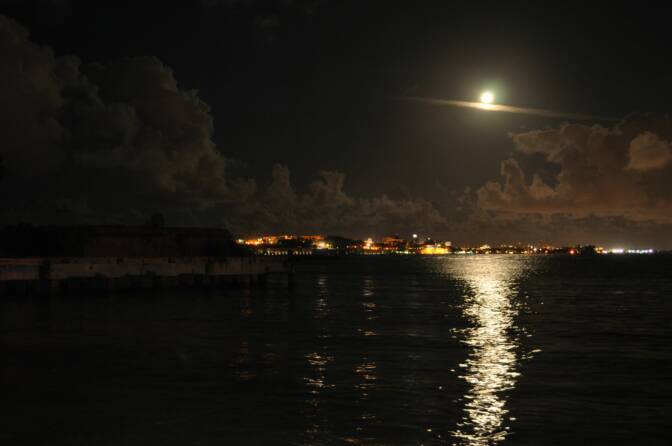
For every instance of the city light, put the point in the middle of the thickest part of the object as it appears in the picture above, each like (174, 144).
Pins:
(304, 245)
(640, 251)
(322, 245)
(434, 250)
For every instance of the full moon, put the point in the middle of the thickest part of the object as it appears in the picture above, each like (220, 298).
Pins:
(487, 97)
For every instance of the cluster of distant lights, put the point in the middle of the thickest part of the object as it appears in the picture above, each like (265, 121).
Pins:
(600, 250)
(438, 248)
(630, 251)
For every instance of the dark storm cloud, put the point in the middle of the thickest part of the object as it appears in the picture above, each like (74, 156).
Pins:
(623, 170)
(325, 207)
(119, 141)
(126, 124)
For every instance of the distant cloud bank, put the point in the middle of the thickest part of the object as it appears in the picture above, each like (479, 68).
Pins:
(117, 142)
(624, 170)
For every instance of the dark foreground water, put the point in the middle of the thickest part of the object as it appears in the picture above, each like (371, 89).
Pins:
(372, 351)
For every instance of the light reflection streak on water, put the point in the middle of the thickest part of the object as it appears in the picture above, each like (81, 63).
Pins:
(491, 368)
(242, 362)
(316, 382)
(368, 294)
(366, 369)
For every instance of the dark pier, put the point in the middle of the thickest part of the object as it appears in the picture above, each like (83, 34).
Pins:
(43, 276)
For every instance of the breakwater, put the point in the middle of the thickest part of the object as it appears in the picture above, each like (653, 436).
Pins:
(30, 276)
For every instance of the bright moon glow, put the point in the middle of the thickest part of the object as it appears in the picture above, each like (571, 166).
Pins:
(487, 97)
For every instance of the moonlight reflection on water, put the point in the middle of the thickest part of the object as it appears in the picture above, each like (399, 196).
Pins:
(491, 368)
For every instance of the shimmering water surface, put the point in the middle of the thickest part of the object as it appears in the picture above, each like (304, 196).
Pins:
(374, 351)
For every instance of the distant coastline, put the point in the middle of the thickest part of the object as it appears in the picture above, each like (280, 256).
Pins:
(154, 240)
(323, 246)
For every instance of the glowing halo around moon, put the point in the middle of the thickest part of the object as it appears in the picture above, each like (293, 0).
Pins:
(487, 97)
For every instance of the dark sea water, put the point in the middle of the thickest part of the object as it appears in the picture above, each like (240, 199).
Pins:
(472, 350)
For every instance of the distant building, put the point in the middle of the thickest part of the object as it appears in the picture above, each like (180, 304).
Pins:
(394, 243)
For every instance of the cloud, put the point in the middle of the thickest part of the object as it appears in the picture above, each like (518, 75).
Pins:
(506, 109)
(622, 170)
(116, 142)
(649, 152)
(325, 207)
(118, 135)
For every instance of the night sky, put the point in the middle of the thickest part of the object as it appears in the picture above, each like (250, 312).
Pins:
(283, 116)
